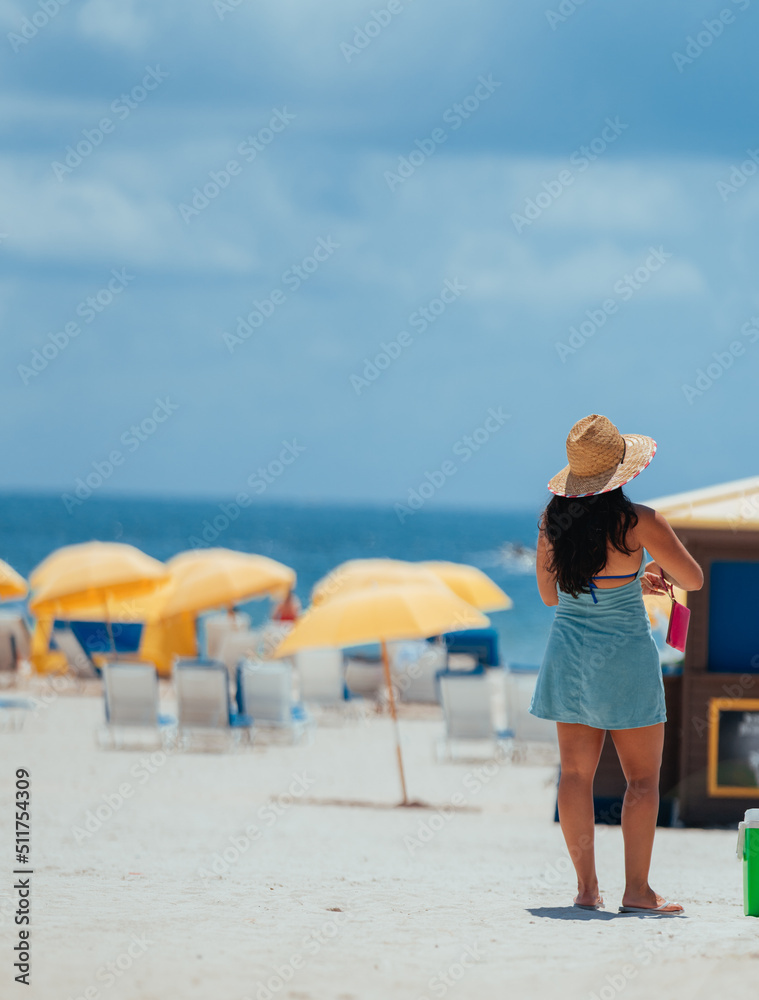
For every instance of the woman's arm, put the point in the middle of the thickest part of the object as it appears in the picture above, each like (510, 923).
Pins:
(653, 531)
(546, 579)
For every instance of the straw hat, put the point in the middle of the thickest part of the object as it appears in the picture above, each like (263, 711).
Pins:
(600, 458)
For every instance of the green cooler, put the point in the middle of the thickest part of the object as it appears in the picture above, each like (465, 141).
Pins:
(748, 852)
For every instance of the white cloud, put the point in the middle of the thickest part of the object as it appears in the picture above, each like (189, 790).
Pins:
(114, 22)
(87, 219)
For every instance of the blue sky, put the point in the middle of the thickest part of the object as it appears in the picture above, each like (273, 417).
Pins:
(311, 232)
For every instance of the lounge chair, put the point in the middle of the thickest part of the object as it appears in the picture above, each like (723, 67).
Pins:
(238, 645)
(204, 708)
(272, 633)
(131, 705)
(13, 713)
(480, 642)
(218, 626)
(415, 668)
(364, 676)
(321, 675)
(8, 658)
(79, 663)
(265, 694)
(15, 644)
(469, 712)
(529, 731)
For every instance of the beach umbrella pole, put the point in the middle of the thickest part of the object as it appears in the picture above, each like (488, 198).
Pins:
(394, 713)
(108, 627)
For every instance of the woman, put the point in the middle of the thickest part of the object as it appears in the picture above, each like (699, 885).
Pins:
(601, 668)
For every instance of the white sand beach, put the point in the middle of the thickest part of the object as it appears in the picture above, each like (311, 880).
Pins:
(327, 901)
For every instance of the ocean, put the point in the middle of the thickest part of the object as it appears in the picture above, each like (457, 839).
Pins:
(311, 538)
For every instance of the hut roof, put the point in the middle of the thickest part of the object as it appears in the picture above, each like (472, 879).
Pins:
(729, 505)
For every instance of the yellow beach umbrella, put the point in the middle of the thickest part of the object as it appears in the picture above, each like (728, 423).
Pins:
(99, 574)
(471, 585)
(379, 614)
(93, 573)
(211, 578)
(12, 584)
(357, 573)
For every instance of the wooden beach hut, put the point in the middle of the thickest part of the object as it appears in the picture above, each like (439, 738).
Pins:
(719, 705)
(710, 767)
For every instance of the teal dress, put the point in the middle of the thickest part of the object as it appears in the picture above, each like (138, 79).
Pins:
(601, 666)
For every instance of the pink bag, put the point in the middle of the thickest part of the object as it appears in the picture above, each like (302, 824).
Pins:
(677, 633)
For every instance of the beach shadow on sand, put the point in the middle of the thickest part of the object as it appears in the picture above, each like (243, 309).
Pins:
(573, 913)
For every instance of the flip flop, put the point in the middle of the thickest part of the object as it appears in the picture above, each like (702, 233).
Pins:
(661, 909)
(592, 906)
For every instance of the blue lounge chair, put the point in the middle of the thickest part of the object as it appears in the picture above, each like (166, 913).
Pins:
(480, 642)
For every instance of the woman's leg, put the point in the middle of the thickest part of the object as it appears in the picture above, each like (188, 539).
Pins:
(580, 750)
(639, 752)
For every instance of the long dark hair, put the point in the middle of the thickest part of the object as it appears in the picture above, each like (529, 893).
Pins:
(580, 530)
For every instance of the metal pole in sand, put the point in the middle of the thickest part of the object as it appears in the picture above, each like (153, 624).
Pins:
(394, 713)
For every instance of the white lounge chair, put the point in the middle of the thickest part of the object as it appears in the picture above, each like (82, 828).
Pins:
(364, 677)
(322, 676)
(15, 623)
(204, 709)
(265, 694)
(218, 626)
(272, 633)
(131, 704)
(13, 713)
(8, 658)
(240, 645)
(14, 644)
(520, 685)
(415, 667)
(469, 713)
(79, 664)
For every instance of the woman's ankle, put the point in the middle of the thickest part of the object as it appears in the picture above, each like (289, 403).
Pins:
(587, 887)
(638, 890)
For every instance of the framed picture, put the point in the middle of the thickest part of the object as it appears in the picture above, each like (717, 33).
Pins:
(733, 763)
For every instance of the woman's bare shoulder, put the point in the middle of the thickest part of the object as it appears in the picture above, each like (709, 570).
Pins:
(648, 517)
(647, 520)
(643, 511)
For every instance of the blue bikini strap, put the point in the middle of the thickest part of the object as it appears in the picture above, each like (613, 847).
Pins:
(594, 588)
(625, 576)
